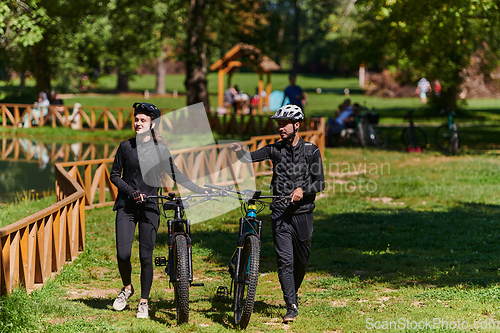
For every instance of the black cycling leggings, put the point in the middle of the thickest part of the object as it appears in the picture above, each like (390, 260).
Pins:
(292, 242)
(149, 222)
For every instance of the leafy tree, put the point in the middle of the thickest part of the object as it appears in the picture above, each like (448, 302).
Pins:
(21, 27)
(214, 25)
(434, 39)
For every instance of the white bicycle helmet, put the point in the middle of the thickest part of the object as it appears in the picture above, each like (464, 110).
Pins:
(289, 112)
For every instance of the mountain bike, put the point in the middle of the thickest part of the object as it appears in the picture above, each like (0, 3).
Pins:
(179, 266)
(367, 134)
(447, 136)
(412, 136)
(244, 263)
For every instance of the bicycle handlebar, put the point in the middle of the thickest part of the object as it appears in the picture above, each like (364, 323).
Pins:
(178, 200)
(246, 194)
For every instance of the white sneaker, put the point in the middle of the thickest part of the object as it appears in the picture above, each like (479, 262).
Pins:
(143, 310)
(121, 300)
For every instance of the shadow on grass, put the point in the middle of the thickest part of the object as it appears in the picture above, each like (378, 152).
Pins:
(395, 246)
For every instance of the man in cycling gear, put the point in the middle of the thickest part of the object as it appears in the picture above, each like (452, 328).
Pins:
(297, 172)
(133, 188)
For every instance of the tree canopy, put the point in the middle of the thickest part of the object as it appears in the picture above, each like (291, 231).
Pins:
(56, 40)
(435, 39)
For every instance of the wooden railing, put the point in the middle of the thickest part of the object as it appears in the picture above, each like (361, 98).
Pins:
(27, 150)
(16, 115)
(117, 118)
(34, 247)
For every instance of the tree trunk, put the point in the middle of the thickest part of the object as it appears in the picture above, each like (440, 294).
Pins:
(22, 76)
(122, 83)
(280, 38)
(447, 100)
(195, 53)
(296, 36)
(41, 68)
(161, 71)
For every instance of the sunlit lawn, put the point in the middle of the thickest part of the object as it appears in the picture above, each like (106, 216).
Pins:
(397, 236)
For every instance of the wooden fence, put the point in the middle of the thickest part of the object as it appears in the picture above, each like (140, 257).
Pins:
(116, 118)
(33, 248)
(27, 150)
(36, 246)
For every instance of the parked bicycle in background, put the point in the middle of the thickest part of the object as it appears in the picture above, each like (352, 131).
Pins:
(413, 137)
(368, 135)
(362, 131)
(447, 136)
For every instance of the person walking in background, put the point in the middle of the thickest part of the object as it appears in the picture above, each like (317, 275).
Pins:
(294, 93)
(298, 173)
(437, 88)
(423, 86)
(131, 210)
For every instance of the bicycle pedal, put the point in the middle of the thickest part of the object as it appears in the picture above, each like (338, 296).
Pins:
(200, 284)
(222, 292)
(161, 261)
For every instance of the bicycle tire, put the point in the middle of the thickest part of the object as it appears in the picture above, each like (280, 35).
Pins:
(377, 138)
(245, 284)
(417, 139)
(181, 286)
(455, 141)
(446, 141)
(360, 132)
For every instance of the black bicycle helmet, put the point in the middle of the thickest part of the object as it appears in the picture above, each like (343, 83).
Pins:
(148, 109)
(289, 112)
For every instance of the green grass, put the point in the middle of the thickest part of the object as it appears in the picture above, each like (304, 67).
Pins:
(398, 236)
(25, 205)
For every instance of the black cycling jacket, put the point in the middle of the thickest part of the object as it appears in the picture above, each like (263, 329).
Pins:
(131, 179)
(291, 170)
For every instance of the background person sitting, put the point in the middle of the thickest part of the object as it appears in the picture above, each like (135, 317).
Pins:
(56, 102)
(241, 101)
(229, 101)
(75, 118)
(334, 126)
(40, 109)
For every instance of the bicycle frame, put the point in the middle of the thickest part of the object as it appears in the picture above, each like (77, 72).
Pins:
(451, 124)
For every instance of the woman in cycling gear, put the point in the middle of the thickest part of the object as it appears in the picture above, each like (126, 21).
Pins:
(130, 211)
(297, 172)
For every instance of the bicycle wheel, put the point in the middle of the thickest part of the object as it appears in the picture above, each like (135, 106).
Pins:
(455, 141)
(360, 132)
(447, 141)
(377, 138)
(181, 286)
(245, 284)
(414, 137)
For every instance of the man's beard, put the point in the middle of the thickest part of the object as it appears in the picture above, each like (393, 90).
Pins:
(289, 137)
